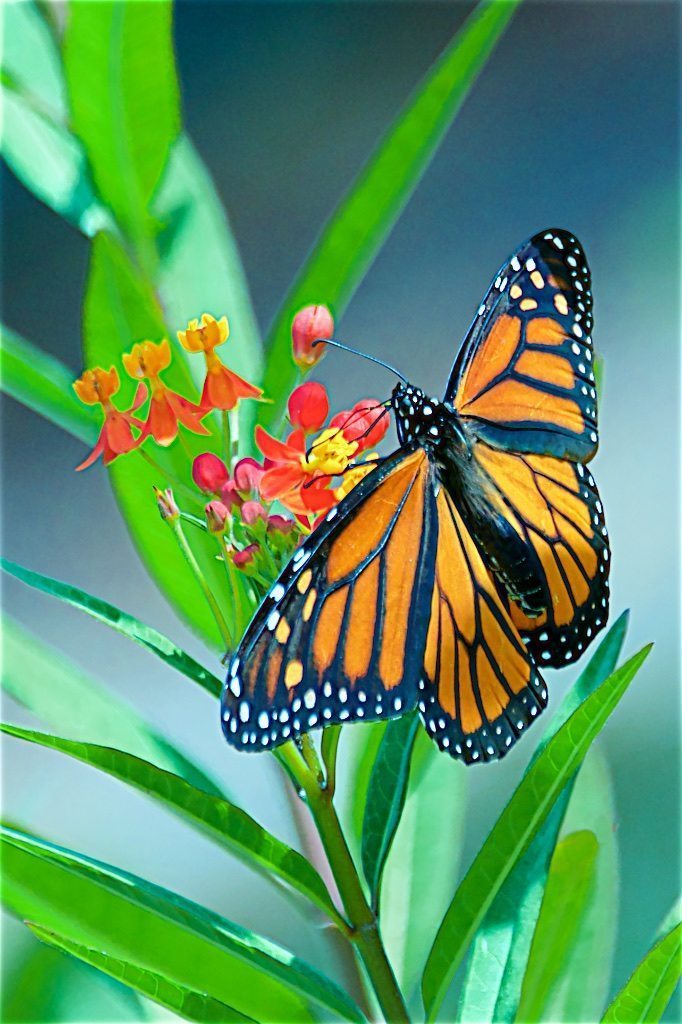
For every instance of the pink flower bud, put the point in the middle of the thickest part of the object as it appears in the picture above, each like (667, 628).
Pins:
(209, 473)
(308, 406)
(230, 496)
(366, 423)
(247, 475)
(252, 511)
(216, 516)
(280, 523)
(243, 559)
(309, 324)
(167, 505)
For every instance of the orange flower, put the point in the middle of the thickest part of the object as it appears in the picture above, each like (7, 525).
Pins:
(145, 361)
(300, 479)
(223, 387)
(116, 437)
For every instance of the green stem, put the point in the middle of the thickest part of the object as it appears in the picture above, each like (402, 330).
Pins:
(364, 925)
(183, 543)
(233, 454)
(227, 447)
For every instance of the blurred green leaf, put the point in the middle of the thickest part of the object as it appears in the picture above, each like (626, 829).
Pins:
(59, 693)
(386, 798)
(125, 106)
(200, 267)
(30, 57)
(184, 1001)
(221, 820)
(586, 975)
(567, 894)
(500, 949)
(359, 748)
(651, 986)
(123, 623)
(47, 159)
(529, 806)
(102, 907)
(365, 217)
(120, 310)
(420, 875)
(44, 385)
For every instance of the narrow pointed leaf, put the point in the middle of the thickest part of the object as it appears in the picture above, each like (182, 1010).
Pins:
(365, 217)
(124, 99)
(420, 876)
(565, 901)
(64, 697)
(650, 989)
(221, 820)
(102, 907)
(500, 949)
(586, 974)
(532, 801)
(43, 384)
(184, 1001)
(123, 623)
(386, 798)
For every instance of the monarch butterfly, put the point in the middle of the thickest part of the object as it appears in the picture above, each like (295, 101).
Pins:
(473, 555)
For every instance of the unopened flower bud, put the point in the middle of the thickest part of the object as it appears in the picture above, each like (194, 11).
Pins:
(252, 511)
(308, 325)
(230, 496)
(308, 406)
(216, 516)
(280, 523)
(166, 504)
(244, 559)
(209, 473)
(247, 475)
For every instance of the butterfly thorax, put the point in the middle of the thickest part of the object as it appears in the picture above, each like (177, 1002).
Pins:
(427, 421)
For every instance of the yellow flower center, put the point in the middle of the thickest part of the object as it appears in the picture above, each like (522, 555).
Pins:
(97, 386)
(206, 337)
(330, 453)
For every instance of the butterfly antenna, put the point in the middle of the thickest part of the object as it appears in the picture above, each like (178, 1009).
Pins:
(363, 355)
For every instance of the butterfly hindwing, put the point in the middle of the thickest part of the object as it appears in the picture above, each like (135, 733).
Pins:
(341, 635)
(479, 688)
(524, 379)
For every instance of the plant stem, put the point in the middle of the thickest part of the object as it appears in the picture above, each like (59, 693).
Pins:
(222, 625)
(364, 926)
(227, 446)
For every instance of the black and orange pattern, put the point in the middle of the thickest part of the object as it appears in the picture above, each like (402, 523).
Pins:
(466, 561)
(525, 374)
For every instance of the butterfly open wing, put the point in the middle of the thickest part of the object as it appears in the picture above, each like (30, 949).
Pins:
(524, 378)
(341, 634)
(479, 689)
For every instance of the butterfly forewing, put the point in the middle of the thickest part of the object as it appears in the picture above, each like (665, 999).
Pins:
(341, 635)
(524, 378)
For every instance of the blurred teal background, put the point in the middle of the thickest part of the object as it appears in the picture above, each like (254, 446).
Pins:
(574, 123)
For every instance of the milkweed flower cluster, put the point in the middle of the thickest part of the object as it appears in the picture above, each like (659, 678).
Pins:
(257, 509)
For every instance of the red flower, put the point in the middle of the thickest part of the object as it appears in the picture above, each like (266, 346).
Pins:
(222, 387)
(116, 437)
(366, 423)
(145, 361)
(308, 325)
(308, 407)
(209, 473)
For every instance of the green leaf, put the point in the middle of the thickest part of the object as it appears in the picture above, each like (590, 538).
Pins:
(102, 907)
(359, 748)
(200, 267)
(119, 310)
(48, 160)
(500, 949)
(221, 820)
(30, 57)
(586, 981)
(45, 385)
(184, 1001)
(650, 988)
(120, 72)
(529, 806)
(123, 623)
(420, 875)
(362, 222)
(567, 893)
(386, 798)
(58, 692)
